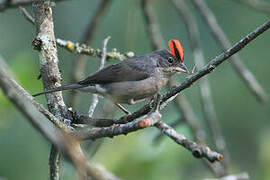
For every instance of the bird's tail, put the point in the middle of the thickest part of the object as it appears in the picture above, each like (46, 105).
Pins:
(62, 88)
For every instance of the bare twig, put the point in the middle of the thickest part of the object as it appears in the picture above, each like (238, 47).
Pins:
(101, 66)
(87, 50)
(236, 62)
(27, 15)
(195, 149)
(174, 124)
(205, 91)
(256, 4)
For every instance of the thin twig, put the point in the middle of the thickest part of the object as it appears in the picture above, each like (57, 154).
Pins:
(256, 4)
(101, 66)
(27, 15)
(173, 125)
(197, 150)
(87, 50)
(236, 62)
(205, 90)
(80, 61)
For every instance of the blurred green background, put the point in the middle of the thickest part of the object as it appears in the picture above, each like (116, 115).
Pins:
(244, 121)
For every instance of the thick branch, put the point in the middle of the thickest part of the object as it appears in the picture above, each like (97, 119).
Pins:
(45, 43)
(117, 129)
(236, 62)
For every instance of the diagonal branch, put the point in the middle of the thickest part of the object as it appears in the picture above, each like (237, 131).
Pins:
(208, 68)
(196, 150)
(236, 62)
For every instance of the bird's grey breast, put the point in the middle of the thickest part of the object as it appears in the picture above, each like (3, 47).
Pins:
(124, 92)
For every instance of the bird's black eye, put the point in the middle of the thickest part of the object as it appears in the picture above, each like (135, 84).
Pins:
(170, 60)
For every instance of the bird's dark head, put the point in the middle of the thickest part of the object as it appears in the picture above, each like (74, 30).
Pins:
(172, 60)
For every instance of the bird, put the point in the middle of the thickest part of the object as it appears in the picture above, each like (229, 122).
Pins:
(135, 79)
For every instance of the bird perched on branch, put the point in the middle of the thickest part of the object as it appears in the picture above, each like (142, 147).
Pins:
(135, 79)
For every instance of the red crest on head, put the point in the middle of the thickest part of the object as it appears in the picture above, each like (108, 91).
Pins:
(177, 49)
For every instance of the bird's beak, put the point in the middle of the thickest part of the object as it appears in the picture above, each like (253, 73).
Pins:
(182, 68)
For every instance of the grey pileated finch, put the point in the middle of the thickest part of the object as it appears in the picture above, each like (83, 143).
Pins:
(135, 79)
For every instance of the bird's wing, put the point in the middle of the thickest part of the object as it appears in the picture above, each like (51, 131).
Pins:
(129, 70)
